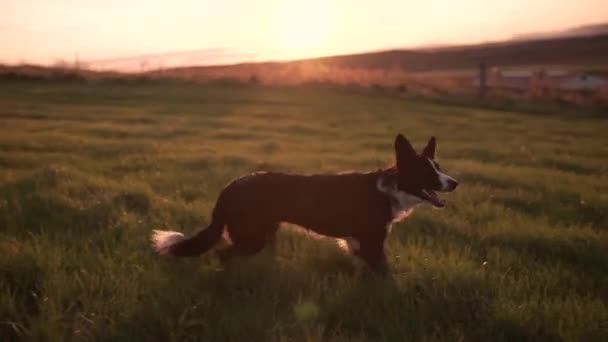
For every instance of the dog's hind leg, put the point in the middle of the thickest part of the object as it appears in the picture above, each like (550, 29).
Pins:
(245, 242)
(251, 248)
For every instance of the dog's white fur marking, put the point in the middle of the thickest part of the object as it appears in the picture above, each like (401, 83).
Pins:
(389, 227)
(225, 241)
(443, 178)
(163, 239)
(226, 236)
(402, 203)
(349, 244)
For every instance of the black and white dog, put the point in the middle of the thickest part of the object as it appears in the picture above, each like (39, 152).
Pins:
(357, 207)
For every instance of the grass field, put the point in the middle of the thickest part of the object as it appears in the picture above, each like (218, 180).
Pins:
(87, 171)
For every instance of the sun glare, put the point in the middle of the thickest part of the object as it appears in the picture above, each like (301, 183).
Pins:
(303, 28)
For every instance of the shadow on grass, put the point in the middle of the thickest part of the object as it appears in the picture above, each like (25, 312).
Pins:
(264, 298)
(249, 299)
(21, 279)
(424, 307)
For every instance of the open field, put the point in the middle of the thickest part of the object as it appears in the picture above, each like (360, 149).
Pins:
(88, 170)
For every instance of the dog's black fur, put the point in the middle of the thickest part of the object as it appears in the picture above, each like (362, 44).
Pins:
(357, 206)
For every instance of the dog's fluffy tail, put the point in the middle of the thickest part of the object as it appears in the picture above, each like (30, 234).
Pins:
(176, 244)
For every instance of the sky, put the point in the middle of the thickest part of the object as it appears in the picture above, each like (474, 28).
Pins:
(45, 31)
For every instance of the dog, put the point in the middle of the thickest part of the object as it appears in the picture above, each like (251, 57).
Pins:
(359, 208)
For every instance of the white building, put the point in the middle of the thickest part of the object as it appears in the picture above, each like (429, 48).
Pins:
(583, 81)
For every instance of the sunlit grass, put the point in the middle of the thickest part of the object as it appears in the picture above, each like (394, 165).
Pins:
(87, 171)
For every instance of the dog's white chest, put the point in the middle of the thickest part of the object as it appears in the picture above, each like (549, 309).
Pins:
(402, 204)
(400, 210)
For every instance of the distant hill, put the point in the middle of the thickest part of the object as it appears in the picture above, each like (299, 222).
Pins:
(582, 31)
(571, 51)
(451, 66)
(581, 46)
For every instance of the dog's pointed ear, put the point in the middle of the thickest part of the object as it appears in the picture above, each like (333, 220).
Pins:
(429, 150)
(403, 150)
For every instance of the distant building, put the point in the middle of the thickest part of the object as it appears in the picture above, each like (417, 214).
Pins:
(512, 79)
(561, 79)
(583, 81)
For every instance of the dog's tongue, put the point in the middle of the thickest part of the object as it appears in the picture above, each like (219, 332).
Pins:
(432, 197)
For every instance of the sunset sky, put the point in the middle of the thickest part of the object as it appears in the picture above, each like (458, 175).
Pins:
(41, 31)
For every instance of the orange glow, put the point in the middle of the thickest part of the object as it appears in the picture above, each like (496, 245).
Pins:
(303, 28)
(44, 31)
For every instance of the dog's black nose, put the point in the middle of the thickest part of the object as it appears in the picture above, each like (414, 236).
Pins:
(452, 184)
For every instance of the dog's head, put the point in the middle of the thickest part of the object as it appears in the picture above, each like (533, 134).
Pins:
(419, 174)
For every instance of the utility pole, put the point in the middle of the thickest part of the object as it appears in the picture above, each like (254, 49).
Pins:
(482, 79)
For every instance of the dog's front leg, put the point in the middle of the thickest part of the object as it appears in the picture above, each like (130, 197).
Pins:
(372, 251)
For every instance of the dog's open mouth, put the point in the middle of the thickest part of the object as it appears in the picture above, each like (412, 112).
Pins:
(431, 196)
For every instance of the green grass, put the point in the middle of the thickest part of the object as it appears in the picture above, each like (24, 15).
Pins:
(88, 170)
